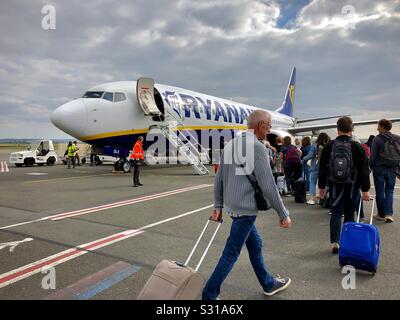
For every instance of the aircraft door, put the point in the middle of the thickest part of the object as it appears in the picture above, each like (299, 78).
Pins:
(145, 96)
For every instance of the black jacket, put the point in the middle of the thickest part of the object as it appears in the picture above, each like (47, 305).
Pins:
(360, 162)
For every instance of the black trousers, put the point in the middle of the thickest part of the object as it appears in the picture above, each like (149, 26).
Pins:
(136, 171)
(292, 173)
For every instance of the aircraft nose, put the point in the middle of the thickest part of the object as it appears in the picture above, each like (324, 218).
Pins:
(71, 117)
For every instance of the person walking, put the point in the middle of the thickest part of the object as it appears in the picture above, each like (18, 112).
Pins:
(71, 155)
(305, 149)
(384, 152)
(137, 156)
(76, 155)
(291, 163)
(234, 192)
(344, 167)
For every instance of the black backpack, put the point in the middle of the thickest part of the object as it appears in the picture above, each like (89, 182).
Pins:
(341, 168)
(391, 152)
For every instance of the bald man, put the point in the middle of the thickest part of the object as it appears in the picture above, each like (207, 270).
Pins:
(234, 192)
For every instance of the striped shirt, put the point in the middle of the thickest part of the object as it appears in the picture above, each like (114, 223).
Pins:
(232, 188)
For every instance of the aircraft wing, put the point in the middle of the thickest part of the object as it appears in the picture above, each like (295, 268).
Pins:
(316, 119)
(318, 127)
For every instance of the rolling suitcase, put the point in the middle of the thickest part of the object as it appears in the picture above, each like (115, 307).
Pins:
(300, 191)
(172, 280)
(360, 244)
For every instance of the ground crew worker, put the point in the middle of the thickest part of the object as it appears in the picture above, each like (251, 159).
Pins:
(71, 155)
(76, 155)
(137, 156)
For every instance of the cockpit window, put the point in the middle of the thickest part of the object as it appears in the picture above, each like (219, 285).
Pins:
(108, 96)
(119, 96)
(93, 94)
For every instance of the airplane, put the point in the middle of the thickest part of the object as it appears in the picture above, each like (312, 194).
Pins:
(111, 116)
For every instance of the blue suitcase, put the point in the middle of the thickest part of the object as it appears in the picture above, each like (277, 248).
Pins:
(360, 245)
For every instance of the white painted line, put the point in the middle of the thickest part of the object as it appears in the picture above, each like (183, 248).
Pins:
(36, 173)
(13, 244)
(2, 166)
(108, 206)
(64, 256)
(6, 166)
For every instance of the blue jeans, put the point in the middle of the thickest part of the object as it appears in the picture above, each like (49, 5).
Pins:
(384, 180)
(313, 182)
(345, 205)
(243, 231)
(306, 175)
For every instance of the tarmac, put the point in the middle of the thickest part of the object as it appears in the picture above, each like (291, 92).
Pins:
(102, 238)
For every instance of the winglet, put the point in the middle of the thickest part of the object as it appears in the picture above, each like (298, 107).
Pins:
(288, 103)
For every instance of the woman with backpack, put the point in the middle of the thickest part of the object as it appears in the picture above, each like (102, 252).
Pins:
(291, 163)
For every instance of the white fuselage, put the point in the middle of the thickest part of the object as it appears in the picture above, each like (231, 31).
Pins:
(96, 120)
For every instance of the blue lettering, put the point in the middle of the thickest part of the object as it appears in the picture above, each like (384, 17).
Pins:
(243, 115)
(207, 107)
(232, 109)
(219, 112)
(190, 103)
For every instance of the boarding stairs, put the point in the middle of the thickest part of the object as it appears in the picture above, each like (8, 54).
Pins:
(186, 145)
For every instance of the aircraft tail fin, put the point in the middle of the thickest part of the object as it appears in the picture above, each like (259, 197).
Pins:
(288, 103)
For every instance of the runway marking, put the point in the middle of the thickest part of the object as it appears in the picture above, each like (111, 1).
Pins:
(64, 256)
(4, 167)
(36, 173)
(126, 202)
(108, 206)
(96, 283)
(70, 178)
(13, 244)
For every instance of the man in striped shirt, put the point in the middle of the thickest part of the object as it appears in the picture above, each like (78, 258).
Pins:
(233, 191)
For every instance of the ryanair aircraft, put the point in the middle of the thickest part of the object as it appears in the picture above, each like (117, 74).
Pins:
(112, 115)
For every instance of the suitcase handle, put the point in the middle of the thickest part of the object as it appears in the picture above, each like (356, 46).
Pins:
(372, 211)
(198, 241)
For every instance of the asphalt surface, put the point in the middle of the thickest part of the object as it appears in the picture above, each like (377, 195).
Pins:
(302, 252)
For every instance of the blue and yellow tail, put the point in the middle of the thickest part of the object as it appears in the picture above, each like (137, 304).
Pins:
(288, 103)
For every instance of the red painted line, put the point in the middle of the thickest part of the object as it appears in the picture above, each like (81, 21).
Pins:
(6, 165)
(66, 255)
(2, 168)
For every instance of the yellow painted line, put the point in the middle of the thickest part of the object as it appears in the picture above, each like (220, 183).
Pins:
(139, 131)
(70, 178)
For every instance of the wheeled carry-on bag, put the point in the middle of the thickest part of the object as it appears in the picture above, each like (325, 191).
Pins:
(172, 280)
(360, 244)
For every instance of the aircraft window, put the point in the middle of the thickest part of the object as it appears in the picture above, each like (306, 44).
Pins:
(108, 96)
(119, 96)
(93, 94)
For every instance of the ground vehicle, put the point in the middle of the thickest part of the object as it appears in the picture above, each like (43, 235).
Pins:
(39, 152)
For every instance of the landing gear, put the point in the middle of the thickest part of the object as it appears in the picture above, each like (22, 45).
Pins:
(122, 165)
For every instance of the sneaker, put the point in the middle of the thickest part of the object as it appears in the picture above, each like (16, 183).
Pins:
(335, 247)
(378, 217)
(330, 213)
(140, 184)
(312, 202)
(389, 219)
(280, 284)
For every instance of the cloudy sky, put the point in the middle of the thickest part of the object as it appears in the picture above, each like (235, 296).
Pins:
(346, 54)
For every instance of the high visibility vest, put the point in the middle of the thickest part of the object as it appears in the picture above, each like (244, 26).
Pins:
(70, 151)
(75, 149)
(137, 151)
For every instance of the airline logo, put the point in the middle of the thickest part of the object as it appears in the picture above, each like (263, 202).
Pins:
(4, 166)
(206, 109)
(291, 93)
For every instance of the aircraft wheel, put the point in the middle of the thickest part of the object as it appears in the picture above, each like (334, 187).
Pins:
(126, 166)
